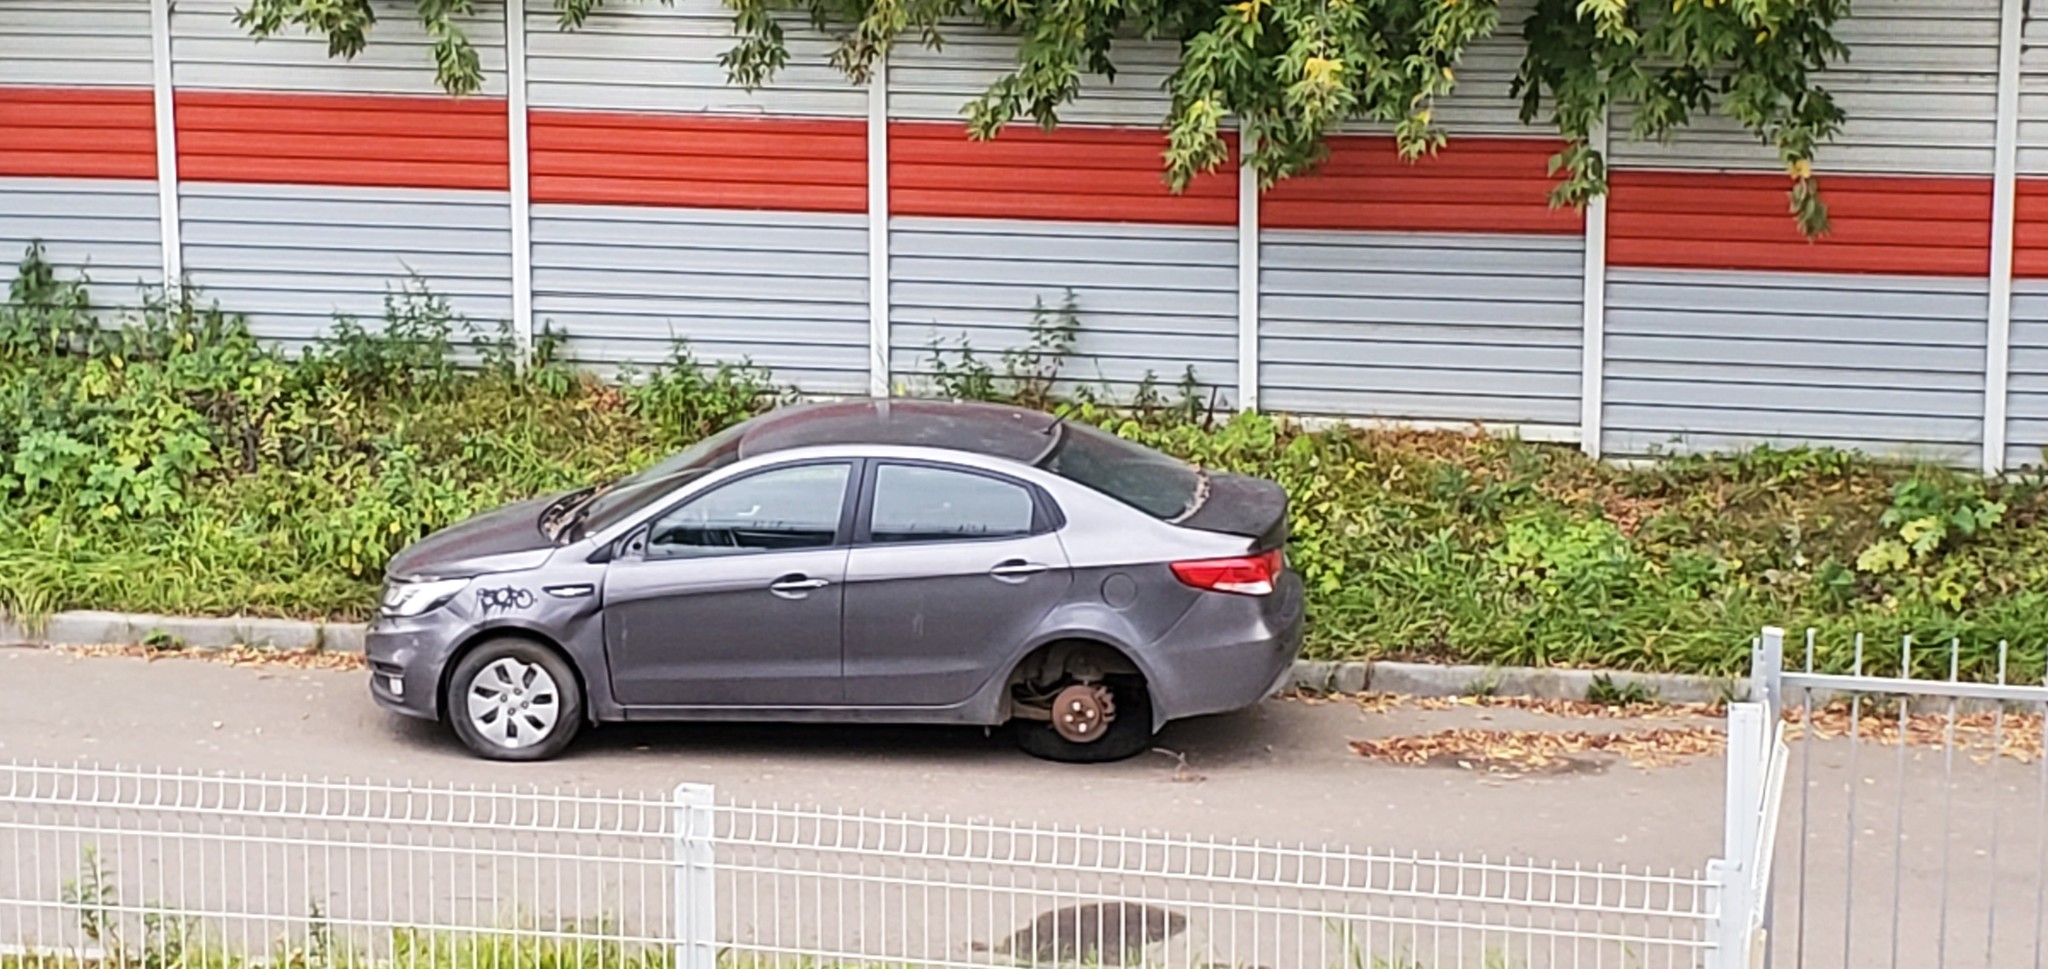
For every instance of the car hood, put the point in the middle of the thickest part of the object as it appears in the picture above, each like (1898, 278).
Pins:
(496, 541)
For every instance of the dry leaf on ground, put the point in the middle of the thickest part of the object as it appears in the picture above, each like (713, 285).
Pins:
(1384, 702)
(1539, 749)
(241, 656)
(2015, 735)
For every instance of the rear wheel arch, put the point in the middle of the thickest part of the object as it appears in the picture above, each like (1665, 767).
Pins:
(1082, 655)
(1078, 666)
(1078, 653)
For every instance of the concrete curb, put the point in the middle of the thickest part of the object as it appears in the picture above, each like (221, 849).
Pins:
(128, 629)
(1413, 679)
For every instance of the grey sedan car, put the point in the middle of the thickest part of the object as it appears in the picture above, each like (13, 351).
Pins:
(872, 561)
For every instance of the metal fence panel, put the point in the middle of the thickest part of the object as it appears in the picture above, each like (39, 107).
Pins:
(1918, 811)
(132, 869)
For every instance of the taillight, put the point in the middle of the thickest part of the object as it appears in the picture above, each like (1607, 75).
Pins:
(1251, 575)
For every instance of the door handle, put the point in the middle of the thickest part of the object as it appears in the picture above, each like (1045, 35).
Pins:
(794, 586)
(1018, 570)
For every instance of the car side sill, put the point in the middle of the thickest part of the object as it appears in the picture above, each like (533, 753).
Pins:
(957, 713)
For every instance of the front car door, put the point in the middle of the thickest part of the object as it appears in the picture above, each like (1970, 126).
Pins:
(953, 568)
(732, 598)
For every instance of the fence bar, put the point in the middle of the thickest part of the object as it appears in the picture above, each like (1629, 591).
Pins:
(1842, 685)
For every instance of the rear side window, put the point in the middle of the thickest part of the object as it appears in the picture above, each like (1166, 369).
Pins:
(924, 504)
(1158, 485)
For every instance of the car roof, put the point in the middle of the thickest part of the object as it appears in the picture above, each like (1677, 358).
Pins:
(1012, 433)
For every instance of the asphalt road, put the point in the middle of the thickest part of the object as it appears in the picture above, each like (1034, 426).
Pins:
(1282, 772)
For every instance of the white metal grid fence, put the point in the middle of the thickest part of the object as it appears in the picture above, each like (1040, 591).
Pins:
(834, 887)
(1919, 819)
(158, 869)
(135, 869)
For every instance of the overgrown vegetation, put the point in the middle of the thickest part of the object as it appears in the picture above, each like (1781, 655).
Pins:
(166, 460)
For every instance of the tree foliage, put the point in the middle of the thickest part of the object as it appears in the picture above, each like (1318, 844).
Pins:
(1287, 74)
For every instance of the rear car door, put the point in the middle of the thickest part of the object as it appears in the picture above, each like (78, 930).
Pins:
(952, 569)
(733, 597)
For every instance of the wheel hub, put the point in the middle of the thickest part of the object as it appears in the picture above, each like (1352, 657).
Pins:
(513, 704)
(1082, 713)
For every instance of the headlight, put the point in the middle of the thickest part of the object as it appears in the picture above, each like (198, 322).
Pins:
(406, 599)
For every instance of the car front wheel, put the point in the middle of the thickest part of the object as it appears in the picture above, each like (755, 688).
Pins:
(512, 699)
(1091, 723)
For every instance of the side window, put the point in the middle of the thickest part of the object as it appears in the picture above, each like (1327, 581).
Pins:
(921, 504)
(788, 508)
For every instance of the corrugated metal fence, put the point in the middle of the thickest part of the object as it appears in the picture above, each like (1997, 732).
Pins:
(610, 183)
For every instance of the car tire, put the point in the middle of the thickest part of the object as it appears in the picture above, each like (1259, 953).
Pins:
(501, 695)
(1128, 735)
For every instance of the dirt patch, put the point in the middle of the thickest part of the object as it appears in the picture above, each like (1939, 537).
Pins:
(241, 656)
(1105, 934)
(1509, 767)
(1544, 752)
(1577, 709)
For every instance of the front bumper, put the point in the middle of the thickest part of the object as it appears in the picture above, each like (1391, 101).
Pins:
(406, 657)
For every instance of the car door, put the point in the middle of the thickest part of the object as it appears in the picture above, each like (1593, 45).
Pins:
(952, 569)
(732, 598)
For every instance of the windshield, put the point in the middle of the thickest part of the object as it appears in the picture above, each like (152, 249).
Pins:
(1154, 483)
(613, 502)
(716, 451)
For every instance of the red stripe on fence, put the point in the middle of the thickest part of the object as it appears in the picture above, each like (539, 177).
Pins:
(1073, 174)
(706, 161)
(1474, 184)
(77, 132)
(386, 141)
(1909, 225)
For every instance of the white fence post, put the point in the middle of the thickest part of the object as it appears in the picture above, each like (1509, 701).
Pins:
(1593, 300)
(171, 234)
(1248, 294)
(1766, 669)
(1734, 916)
(696, 916)
(519, 170)
(880, 376)
(2012, 17)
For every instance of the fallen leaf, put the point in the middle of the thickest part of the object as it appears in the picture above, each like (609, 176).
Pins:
(1475, 749)
(237, 656)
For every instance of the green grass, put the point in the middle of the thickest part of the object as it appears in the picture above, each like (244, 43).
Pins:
(162, 460)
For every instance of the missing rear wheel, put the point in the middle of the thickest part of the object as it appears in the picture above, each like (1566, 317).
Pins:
(1089, 723)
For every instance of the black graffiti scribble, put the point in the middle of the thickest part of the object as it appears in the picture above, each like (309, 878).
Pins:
(503, 600)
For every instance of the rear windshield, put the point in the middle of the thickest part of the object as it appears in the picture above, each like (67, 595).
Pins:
(1147, 480)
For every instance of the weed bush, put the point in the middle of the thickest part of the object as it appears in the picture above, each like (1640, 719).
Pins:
(163, 459)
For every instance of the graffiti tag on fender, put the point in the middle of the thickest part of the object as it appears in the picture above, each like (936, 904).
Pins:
(503, 600)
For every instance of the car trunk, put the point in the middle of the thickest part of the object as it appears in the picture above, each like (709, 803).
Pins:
(1240, 505)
